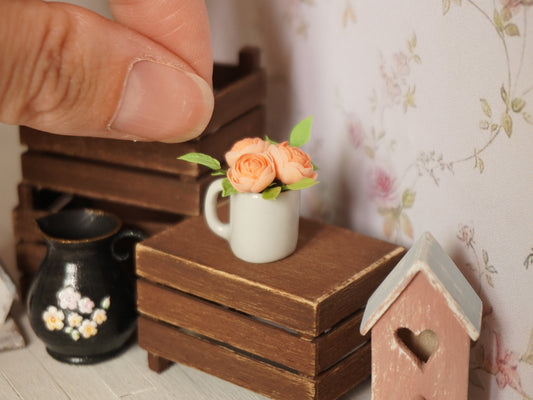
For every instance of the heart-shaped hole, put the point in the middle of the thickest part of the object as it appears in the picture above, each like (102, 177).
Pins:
(422, 346)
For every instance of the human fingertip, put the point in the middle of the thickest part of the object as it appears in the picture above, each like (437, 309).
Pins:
(163, 103)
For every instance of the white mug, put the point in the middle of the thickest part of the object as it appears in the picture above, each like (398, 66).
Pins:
(259, 230)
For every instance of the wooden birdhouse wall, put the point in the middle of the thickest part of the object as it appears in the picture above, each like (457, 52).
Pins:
(396, 372)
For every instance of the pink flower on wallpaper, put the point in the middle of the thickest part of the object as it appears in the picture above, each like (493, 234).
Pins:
(401, 64)
(393, 90)
(355, 132)
(466, 235)
(383, 186)
(514, 6)
(504, 366)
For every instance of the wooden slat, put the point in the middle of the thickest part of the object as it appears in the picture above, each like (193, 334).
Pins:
(29, 377)
(29, 256)
(152, 156)
(309, 357)
(7, 391)
(117, 184)
(123, 378)
(251, 373)
(327, 279)
(235, 100)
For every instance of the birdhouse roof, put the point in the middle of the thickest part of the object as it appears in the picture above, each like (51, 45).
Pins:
(427, 256)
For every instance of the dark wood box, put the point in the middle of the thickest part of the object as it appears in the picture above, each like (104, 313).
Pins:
(287, 330)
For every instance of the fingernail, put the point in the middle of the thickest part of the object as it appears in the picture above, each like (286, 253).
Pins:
(160, 102)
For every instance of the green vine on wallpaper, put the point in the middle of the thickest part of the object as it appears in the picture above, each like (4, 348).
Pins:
(514, 103)
(499, 362)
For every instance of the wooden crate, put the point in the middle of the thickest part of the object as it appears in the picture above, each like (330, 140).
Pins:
(287, 330)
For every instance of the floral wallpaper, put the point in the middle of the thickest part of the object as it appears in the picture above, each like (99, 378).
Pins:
(423, 121)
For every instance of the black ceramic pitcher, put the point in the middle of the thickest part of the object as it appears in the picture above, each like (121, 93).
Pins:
(81, 303)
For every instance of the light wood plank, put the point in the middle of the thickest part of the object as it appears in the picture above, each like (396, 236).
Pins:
(216, 386)
(123, 377)
(7, 392)
(29, 377)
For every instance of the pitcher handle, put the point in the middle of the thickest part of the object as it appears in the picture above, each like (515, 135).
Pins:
(210, 210)
(135, 234)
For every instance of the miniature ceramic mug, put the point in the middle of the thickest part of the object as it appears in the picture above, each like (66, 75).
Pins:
(259, 230)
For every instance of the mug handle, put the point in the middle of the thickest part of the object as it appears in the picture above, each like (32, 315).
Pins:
(135, 234)
(210, 210)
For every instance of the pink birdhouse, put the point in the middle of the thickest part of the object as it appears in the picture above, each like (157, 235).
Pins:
(423, 317)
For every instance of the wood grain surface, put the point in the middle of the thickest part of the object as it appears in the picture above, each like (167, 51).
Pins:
(247, 333)
(171, 343)
(328, 278)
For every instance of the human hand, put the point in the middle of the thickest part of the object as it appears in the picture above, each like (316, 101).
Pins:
(144, 76)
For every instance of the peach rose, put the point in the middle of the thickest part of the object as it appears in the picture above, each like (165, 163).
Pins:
(252, 172)
(246, 146)
(292, 164)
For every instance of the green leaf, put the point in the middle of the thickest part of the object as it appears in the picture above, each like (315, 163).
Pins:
(486, 108)
(446, 6)
(301, 184)
(497, 20)
(218, 172)
(528, 354)
(485, 256)
(503, 94)
(202, 159)
(411, 43)
(270, 140)
(271, 193)
(408, 198)
(517, 105)
(301, 133)
(227, 188)
(512, 30)
(506, 14)
(507, 124)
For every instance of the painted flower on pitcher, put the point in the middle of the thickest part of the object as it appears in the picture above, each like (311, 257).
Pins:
(68, 298)
(73, 304)
(252, 172)
(85, 305)
(53, 318)
(105, 303)
(88, 329)
(246, 146)
(74, 320)
(99, 316)
(264, 166)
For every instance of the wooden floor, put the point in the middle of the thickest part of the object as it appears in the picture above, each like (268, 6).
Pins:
(31, 374)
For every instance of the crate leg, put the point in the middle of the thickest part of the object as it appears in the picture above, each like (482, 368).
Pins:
(157, 363)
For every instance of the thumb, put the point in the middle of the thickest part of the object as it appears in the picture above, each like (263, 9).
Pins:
(67, 70)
